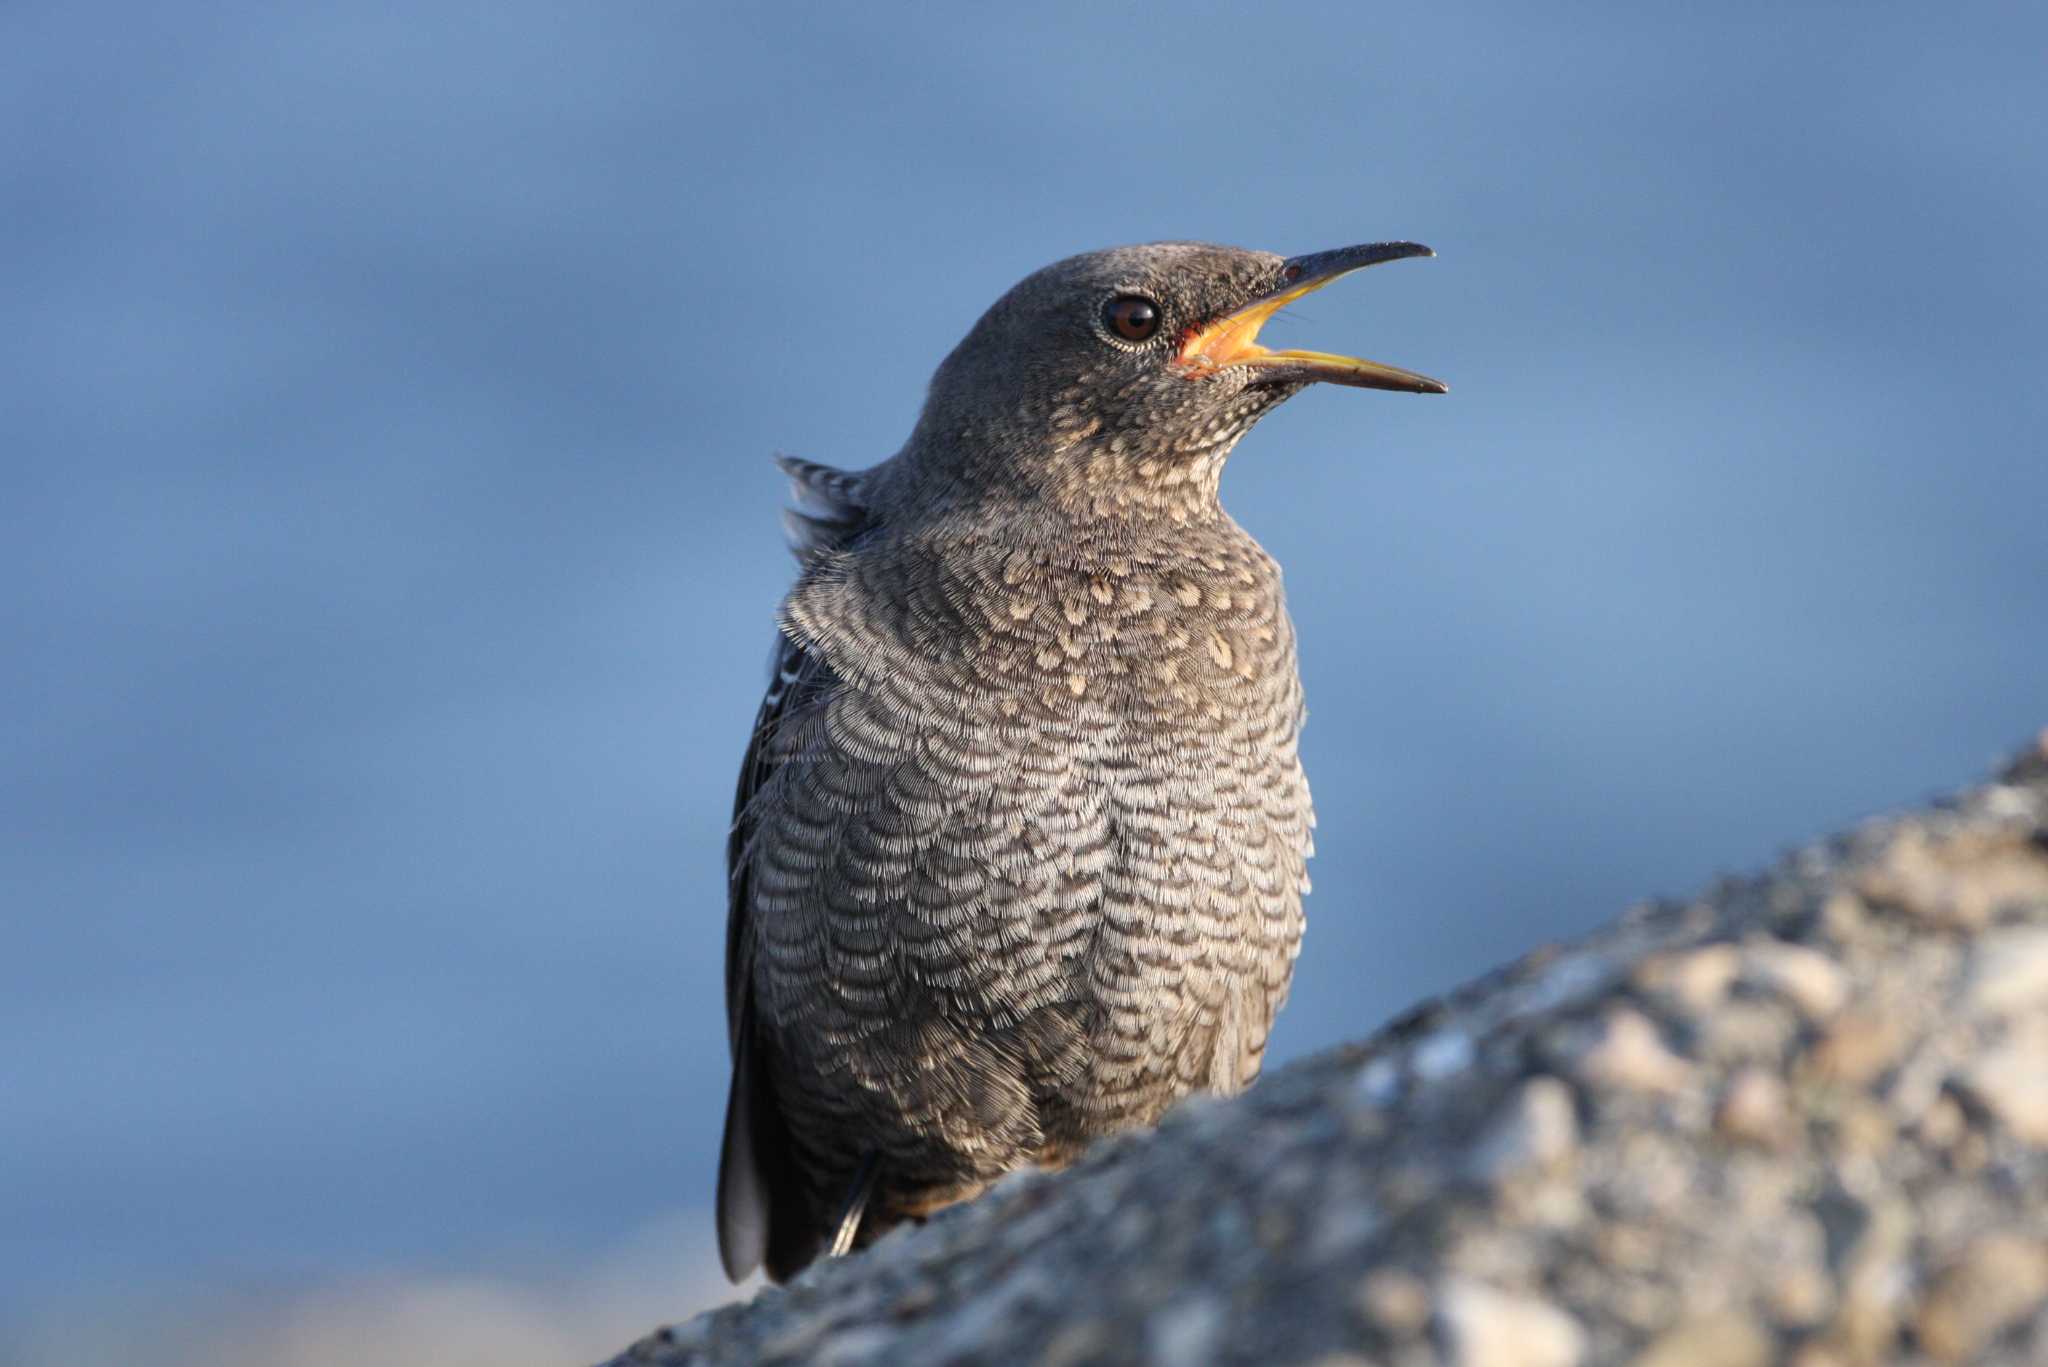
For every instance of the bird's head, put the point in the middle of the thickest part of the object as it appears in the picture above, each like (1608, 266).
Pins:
(1114, 383)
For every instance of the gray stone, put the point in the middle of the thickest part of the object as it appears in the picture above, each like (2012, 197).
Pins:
(1803, 1118)
(1726, 1340)
(1806, 976)
(2012, 1083)
(2009, 971)
(1184, 1331)
(1487, 1327)
(1626, 1051)
(1998, 1281)
(1535, 1133)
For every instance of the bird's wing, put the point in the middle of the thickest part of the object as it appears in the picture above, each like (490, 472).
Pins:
(754, 1185)
(795, 675)
(829, 515)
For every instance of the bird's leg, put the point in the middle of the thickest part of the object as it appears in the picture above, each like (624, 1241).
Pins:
(856, 1205)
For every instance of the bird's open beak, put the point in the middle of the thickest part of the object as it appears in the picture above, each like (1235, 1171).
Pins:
(1232, 340)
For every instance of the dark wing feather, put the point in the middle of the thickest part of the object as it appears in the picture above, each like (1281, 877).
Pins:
(790, 667)
(760, 1207)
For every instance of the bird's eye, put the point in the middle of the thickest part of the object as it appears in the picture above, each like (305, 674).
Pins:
(1131, 317)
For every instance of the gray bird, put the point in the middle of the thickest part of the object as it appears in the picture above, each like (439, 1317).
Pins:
(1019, 848)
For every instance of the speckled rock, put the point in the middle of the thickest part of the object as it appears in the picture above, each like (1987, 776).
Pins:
(1803, 1118)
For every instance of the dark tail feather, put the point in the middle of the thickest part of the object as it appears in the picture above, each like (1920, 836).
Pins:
(743, 1196)
(764, 1216)
(856, 1205)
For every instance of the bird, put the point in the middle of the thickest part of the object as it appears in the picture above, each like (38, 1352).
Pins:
(1020, 840)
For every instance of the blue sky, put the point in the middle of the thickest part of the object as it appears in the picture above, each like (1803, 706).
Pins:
(387, 400)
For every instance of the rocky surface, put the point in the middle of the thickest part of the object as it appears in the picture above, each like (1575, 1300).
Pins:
(1803, 1118)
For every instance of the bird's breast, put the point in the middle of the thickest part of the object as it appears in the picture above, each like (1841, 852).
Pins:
(1044, 787)
(1167, 634)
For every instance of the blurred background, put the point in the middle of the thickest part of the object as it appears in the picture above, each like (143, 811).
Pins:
(386, 401)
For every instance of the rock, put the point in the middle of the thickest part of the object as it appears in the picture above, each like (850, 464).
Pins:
(1627, 1052)
(1801, 1298)
(1440, 1055)
(1730, 1339)
(2011, 1082)
(2008, 971)
(1081, 1343)
(1184, 1331)
(1754, 1109)
(862, 1343)
(1536, 1133)
(1806, 976)
(1873, 1245)
(1998, 1281)
(2029, 765)
(1694, 980)
(1487, 1327)
(1802, 1118)
(1962, 882)
(1394, 1302)
(1861, 1045)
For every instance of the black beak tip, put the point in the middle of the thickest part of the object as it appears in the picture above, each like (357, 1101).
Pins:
(1343, 260)
(1397, 251)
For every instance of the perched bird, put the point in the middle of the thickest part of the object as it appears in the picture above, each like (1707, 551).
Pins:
(1018, 853)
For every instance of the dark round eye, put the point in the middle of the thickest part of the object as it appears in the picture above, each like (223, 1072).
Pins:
(1131, 317)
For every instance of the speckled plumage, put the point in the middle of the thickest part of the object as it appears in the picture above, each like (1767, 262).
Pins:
(1020, 842)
